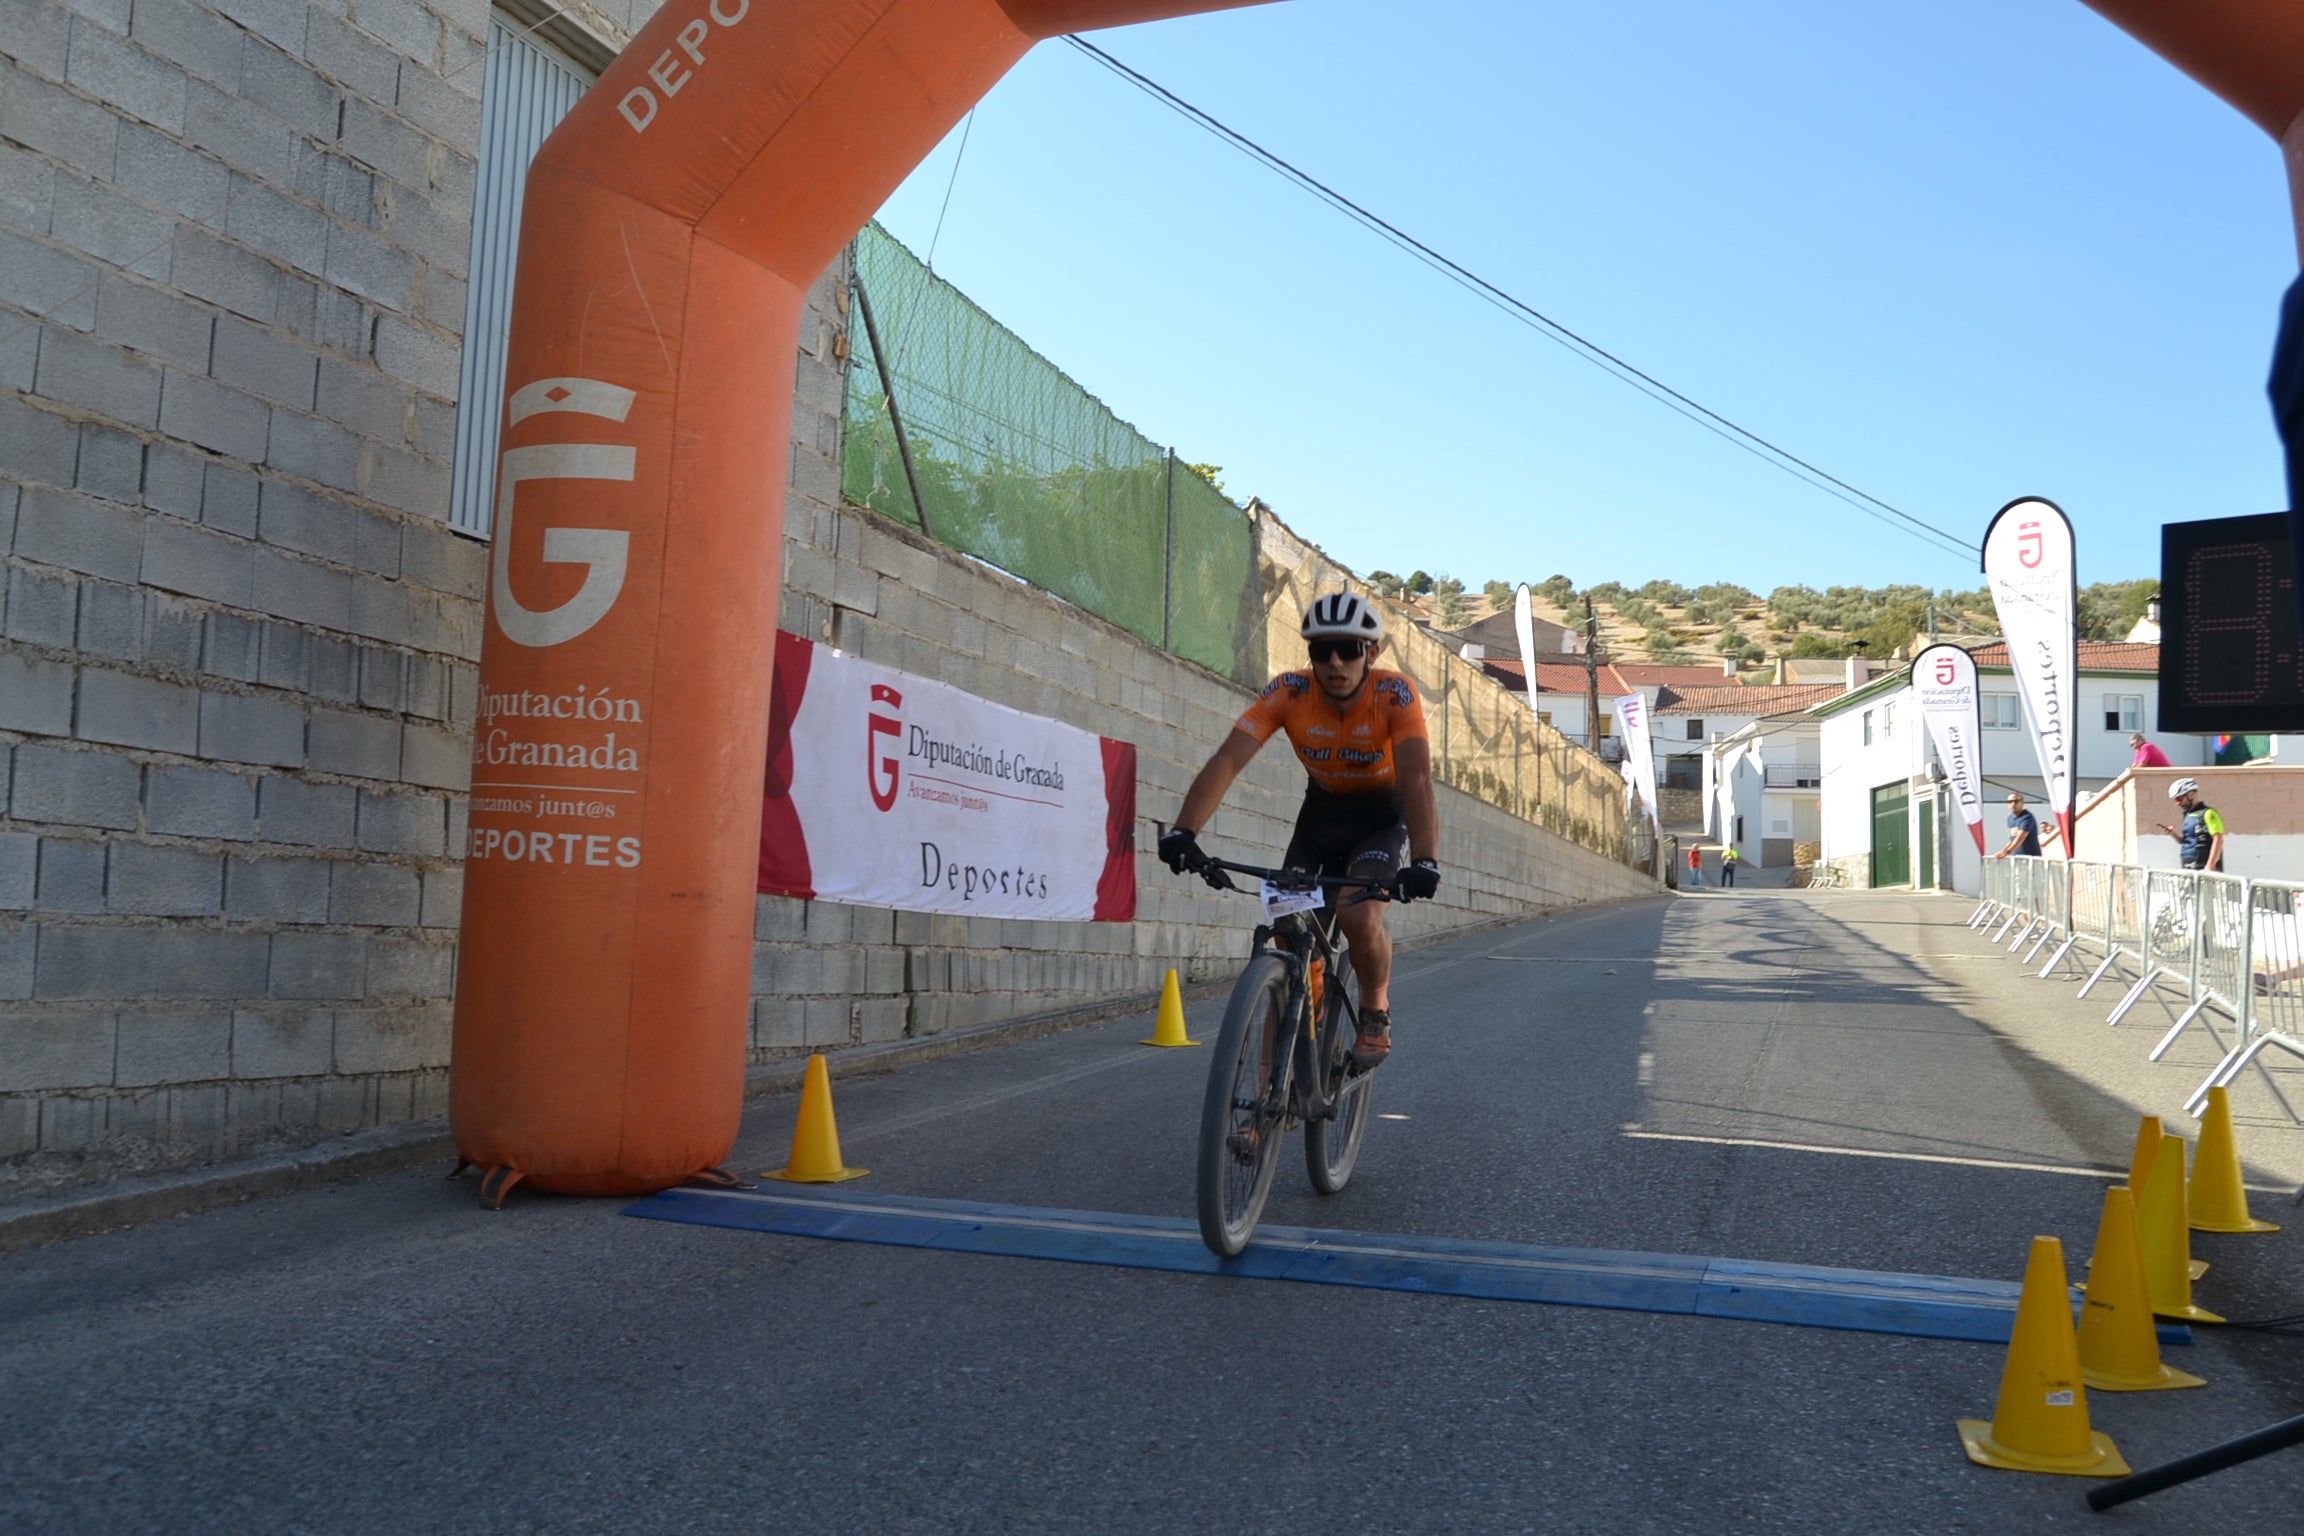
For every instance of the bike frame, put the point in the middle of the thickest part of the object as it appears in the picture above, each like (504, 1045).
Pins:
(1298, 939)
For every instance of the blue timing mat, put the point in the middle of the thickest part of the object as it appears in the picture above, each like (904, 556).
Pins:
(1928, 1306)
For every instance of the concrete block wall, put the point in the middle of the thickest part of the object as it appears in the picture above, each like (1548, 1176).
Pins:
(237, 638)
(238, 642)
(826, 974)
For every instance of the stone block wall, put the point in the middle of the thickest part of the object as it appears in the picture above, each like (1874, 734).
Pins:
(826, 974)
(238, 641)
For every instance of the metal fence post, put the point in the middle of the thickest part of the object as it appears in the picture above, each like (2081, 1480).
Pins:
(1168, 560)
(888, 393)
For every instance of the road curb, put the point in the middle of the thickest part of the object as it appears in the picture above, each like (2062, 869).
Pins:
(388, 1149)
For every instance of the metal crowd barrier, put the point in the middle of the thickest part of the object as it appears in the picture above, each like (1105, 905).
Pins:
(2234, 947)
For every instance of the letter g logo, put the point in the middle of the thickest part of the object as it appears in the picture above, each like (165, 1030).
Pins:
(877, 725)
(601, 551)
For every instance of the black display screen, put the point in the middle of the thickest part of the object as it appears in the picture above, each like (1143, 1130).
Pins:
(2229, 659)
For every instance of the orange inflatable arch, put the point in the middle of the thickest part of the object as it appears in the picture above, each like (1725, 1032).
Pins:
(672, 226)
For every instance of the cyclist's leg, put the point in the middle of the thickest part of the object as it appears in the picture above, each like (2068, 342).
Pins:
(1374, 858)
(1377, 857)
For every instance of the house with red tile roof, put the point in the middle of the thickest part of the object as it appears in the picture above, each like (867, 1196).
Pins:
(1560, 688)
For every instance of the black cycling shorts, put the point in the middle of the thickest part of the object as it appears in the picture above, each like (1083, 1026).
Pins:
(1362, 836)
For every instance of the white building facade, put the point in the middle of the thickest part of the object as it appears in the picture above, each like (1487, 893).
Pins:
(1887, 819)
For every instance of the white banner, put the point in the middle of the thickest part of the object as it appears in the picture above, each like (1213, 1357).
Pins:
(2028, 561)
(1944, 677)
(1524, 630)
(889, 790)
(1639, 756)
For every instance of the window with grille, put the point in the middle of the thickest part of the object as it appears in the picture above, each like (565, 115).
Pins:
(529, 87)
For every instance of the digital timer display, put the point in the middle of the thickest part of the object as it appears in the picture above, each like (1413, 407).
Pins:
(2229, 658)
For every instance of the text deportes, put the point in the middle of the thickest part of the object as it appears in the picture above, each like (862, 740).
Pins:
(577, 848)
(639, 104)
(966, 880)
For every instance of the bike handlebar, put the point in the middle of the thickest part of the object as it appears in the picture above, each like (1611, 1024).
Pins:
(1214, 871)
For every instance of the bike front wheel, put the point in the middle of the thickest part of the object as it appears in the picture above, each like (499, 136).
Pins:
(1245, 1112)
(1332, 1146)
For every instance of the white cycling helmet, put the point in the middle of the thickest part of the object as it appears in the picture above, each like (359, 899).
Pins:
(1342, 616)
(2183, 787)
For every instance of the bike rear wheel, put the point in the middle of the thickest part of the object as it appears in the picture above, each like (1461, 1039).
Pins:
(1245, 1112)
(1332, 1146)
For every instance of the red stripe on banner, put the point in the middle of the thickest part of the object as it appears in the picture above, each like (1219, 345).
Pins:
(784, 866)
(2064, 828)
(1116, 890)
(1976, 830)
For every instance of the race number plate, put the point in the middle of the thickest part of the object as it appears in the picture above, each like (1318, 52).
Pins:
(1279, 900)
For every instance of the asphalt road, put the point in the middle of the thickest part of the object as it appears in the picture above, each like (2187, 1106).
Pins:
(386, 1357)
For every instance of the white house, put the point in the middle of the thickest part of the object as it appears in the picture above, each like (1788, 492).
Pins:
(1762, 778)
(1887, 818)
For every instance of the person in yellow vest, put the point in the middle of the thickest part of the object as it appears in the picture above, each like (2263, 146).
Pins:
(1729, 859)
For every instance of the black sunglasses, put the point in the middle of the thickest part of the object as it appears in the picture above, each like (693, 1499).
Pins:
(1338, 650)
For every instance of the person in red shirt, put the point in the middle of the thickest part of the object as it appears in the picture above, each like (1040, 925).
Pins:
(1368, 803)
(2147, 755)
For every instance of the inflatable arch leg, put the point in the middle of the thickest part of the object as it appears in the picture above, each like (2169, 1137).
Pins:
(671, 227)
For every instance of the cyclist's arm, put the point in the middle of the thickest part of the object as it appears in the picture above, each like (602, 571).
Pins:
(2214, 823)
(1207, 791)
(1413, 759)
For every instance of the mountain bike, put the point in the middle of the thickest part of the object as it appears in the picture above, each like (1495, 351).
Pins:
(1284, 1054)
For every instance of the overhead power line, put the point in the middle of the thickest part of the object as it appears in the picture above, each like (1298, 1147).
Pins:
(1544, 325)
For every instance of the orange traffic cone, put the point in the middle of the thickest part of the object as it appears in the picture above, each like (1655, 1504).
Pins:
(2216, 1200)
(815, 1138)
(2119, 1346)
(1168, 1025)
(2041, 1421)
(2167, 1242)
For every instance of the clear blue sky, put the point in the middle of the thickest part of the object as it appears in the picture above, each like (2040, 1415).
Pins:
(1952, 252)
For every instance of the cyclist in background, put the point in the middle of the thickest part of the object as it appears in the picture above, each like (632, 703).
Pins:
(1368, 803)
(2200, 840)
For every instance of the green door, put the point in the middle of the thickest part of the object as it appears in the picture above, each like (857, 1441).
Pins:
(1927, 845)
(1892, 835)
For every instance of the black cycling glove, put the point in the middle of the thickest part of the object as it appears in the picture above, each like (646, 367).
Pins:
(1180, 850)
(1420, 881)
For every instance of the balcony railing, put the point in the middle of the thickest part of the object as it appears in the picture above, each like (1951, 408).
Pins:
(1795, 775)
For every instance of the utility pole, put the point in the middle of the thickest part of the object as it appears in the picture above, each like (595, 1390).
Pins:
(1591, 678)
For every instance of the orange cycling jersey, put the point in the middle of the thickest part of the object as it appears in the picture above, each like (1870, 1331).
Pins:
(1348, 753)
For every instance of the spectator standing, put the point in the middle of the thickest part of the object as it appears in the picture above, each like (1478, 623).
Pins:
(1695, 867)
(1729, 859)
(2023, 831)
(2147, 755)
(2200, 840)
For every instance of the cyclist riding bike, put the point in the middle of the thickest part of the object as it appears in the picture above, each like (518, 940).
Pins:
(1368, 803)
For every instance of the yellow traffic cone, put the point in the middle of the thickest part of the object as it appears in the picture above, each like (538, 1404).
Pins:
(2166, 1240)
(2216, 1200)
(1169, 1030)
(2148, 1133)
(2041, 1421)
(815, 1138)
(2119, 1346)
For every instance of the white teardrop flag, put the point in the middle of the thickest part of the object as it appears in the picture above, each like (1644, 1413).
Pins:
(1524, 629)
(2028, 561)
(1944, 677)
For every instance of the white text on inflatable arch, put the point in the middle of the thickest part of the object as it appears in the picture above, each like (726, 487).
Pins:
(640, 103)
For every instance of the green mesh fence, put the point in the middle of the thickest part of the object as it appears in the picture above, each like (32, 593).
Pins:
(1024, 469)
